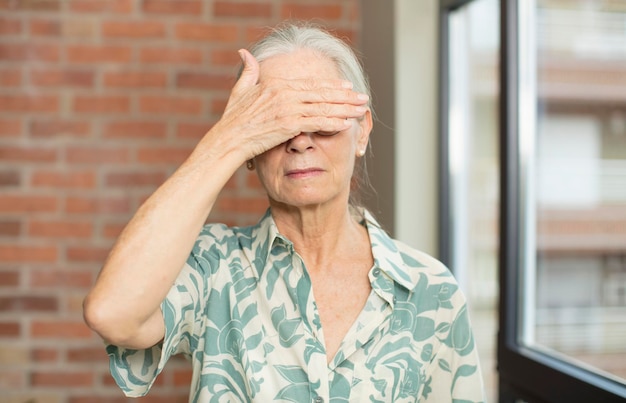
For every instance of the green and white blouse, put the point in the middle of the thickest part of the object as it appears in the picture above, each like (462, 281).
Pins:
(243, 311)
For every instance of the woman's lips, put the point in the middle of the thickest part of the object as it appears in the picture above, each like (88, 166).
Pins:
(303, 173)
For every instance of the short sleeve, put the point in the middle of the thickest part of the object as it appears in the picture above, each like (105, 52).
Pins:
(455, 374)
(135, 371)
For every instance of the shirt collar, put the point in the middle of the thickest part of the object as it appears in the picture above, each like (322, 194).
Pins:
(264, 237)
(387, 253)
(389, 257)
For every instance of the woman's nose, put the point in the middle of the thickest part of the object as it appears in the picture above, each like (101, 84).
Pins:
(300, 143)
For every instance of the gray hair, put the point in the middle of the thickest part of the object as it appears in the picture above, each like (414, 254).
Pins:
(289, 37)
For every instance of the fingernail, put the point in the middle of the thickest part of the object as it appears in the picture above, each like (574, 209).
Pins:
(364, 97)
(360, 109)
(346, 84)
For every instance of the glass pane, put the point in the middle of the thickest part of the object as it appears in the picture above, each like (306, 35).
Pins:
(473, 167)
(575, 283)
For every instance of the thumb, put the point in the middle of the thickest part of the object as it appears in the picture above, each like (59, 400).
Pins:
(250, 73)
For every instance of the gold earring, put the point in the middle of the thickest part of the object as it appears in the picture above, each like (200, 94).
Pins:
(250, 165)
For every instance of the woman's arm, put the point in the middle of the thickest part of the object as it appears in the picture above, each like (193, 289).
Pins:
(124, 305)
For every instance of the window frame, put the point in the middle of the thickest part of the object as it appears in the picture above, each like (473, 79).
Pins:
(524, 373)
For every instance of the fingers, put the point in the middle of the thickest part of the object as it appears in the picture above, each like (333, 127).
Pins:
(250, 73)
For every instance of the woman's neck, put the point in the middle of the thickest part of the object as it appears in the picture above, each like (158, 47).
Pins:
(321, 234)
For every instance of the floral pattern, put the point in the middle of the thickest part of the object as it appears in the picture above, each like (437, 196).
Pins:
(242, 310)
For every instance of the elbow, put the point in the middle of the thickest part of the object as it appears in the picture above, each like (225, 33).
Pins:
(115, 326)
(100, 318)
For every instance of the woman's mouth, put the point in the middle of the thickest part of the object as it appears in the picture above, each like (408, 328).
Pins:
(303, 173)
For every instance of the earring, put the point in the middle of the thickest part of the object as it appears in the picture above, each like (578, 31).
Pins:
(361, 153)
(250, 165)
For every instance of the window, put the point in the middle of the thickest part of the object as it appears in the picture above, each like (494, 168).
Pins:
(537, 192)
(563, 223)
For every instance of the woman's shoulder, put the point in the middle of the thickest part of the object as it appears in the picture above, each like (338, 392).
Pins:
(217, 236)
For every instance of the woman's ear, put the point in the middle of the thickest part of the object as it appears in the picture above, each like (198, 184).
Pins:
(366, 123)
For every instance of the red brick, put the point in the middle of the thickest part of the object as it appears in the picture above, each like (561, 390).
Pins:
(10, 329)
(243, 204)
(37, 5)
(44, 355)
(64, 180)
(92, 205)
(207, 32)
(192, 131)
(29, 103)
(23, 52)
(158, 104)
(242, 10)
(170, 55)
(311, 11)
(56, 128)
(204, 81)
(27, 203)
(138, 79)
(9, 278)
(10, 228)
(63, 78)
(169, 7)
(163, 155)
(101, 6)
(225, 57)
(99, 54)
(61, 379)
(87, 254)
(254, 33)
(10, 178)
(28, 304)
(52, 278)
(101, 104)
(113, 230)
(135, 179)
(60, 329)
(82, 29)
(86, 354)
(135, 130)
(10, 77)
(38, 27)
(25, 254)
(133, 29)
(27, 154)
(10, 127)
(97, 155)
(218, 105)
(60, 229)
(10, 26)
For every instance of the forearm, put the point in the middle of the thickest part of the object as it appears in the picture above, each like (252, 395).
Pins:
(125, 302)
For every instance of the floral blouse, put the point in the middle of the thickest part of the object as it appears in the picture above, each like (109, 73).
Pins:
(242, 310)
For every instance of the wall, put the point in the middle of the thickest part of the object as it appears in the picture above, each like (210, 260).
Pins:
(100, 100)
(400, 45)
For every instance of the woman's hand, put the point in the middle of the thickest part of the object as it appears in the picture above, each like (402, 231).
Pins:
(263, 114)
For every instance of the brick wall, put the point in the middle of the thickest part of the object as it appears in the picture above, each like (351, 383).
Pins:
(100, 100)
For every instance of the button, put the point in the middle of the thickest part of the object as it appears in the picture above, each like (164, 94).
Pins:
(376, 272)
(318, 399)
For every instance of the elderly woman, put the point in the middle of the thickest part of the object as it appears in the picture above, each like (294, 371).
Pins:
(315, 302)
